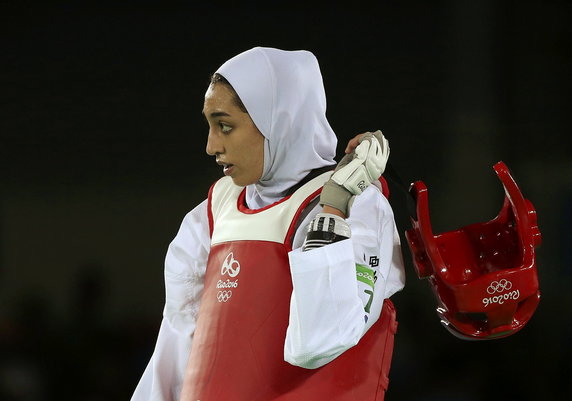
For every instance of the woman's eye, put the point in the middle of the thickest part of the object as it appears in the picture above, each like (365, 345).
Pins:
(225, 128)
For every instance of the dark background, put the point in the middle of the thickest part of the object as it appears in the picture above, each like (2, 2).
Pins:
(102, 154)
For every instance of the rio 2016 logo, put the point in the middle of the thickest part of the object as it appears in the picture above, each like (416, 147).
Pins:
(230, 266)
(496, 290)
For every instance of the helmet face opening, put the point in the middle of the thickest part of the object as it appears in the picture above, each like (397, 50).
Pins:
(483, 275)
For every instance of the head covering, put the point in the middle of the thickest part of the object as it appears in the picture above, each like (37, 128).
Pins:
(284, 95)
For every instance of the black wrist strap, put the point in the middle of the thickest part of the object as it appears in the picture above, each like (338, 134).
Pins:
(391, 174)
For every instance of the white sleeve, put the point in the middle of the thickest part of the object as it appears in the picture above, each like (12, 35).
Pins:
(330, 309)
(185, 266)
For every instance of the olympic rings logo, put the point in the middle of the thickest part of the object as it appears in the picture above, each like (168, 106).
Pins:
(499, 286)
(230, 266)
(223, 296)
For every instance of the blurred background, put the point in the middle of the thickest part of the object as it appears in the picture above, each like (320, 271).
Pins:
(102, 155)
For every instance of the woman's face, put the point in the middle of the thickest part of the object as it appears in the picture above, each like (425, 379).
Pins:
(233, 137)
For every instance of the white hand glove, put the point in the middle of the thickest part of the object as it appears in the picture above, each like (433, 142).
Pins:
(356, 171)
(364, 165)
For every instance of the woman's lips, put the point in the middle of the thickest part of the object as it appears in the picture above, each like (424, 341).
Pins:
(227, 169)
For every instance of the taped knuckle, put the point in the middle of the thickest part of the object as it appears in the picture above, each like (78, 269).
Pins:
(364, 137)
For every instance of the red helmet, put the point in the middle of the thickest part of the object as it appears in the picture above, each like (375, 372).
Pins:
(483, 275)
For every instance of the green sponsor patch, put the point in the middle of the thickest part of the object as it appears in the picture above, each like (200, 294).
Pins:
(365, 274)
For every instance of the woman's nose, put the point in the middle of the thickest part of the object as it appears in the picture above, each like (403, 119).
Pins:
(214, 144)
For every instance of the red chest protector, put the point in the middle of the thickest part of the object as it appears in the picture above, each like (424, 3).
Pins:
(238, 344)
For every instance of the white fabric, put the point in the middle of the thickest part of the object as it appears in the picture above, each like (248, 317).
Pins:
(255, 226)
(284, 95)
(327, 306)
(185, 266)
(320, 327)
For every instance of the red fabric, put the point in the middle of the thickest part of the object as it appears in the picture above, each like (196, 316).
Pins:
(384, 187)
(238, 344)
(210, 210)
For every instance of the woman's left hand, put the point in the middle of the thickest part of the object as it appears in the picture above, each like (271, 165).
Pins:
(356, 171)
(353, 143)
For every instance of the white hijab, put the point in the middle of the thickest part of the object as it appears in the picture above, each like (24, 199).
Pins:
(284, 95)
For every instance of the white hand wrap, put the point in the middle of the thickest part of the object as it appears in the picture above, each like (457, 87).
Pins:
(325, 229)
(366, 165)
